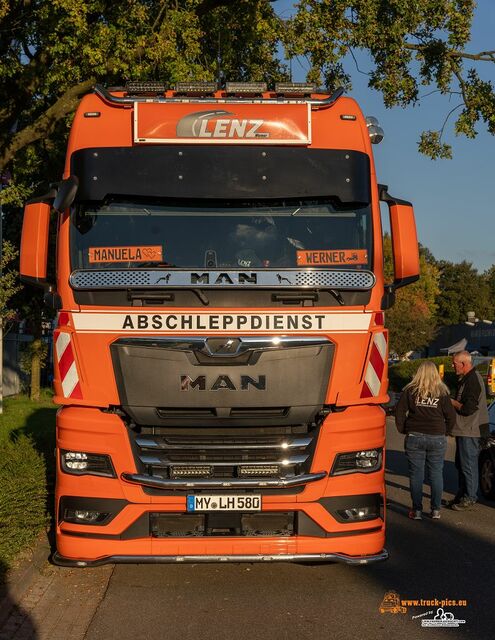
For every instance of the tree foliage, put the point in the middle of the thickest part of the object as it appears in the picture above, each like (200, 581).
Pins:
(410, 44)
(463, 289)
(9, 283)
(53, 51)
(411, 322)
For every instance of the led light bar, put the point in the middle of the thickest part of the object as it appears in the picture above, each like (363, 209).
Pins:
(294, 88)
(259, 470)
(147, 87)
(196, 88)
(245, 88)
(191, 471)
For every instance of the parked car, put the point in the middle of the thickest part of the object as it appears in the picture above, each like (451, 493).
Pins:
(486, 368)
(487, 458)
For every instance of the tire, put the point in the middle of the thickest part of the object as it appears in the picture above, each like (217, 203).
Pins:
(487, 475)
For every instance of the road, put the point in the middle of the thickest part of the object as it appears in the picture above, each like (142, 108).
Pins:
(450, 559)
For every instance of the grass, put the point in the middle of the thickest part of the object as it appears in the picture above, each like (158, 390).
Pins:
(27, 471)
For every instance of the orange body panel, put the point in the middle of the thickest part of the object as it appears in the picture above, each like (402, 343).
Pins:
(34, 240)
(77, 427)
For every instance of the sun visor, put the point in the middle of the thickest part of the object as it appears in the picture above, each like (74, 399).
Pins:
(222, 172)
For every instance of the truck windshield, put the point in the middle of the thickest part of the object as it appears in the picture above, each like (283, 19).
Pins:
(250, 235)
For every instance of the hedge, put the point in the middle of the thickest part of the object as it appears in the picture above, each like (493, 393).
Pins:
(403, 372)
(23, 496)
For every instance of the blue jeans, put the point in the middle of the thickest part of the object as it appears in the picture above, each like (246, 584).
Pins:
(466, 460)
(420, 449)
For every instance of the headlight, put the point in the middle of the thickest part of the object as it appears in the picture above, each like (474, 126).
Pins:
(80, 463)
(365, 461)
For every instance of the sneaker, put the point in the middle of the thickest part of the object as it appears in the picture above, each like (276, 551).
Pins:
(435, 514)
(456, 500)
(464, 505)
(415, 514)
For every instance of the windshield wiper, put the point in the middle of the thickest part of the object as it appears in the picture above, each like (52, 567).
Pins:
(337, 296)
(159, 265)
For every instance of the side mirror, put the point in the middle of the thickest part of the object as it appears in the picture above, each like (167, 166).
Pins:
(67, 190)
(34, 241)
(404, 240)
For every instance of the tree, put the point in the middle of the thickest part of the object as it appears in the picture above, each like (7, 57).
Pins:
(410, 44)
(462, 289)
(51, 53)
(489, 276)
(411, 322)
(9, 282)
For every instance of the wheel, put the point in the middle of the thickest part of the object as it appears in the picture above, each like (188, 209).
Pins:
(487, 475)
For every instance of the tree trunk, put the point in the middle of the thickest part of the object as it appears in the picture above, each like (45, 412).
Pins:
(36, 347)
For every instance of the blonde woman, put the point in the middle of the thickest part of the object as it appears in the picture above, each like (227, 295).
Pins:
(426, 415)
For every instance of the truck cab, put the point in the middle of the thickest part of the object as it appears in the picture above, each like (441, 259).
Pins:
(220, 350)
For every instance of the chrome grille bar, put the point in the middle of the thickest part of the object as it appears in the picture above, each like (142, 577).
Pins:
(218, 483)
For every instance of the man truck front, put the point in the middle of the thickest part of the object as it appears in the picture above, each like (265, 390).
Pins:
(220, 351)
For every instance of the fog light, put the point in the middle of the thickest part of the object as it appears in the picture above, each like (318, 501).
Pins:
(359, 513)
(84, 516)
(365, 461)
(82, 463)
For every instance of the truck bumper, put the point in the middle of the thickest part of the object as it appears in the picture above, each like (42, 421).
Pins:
(196, 559)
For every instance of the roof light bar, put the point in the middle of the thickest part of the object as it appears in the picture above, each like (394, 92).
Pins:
(196, 88)
(245, 88)
(294, 88)
(148, 87)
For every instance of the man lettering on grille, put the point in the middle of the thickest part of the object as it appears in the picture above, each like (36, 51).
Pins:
(470, 406)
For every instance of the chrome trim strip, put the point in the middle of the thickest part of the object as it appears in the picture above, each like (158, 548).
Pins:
(217, 483)
(292, 557)
(151, 443)
(165, 279)
(244, 344)
(235, 461)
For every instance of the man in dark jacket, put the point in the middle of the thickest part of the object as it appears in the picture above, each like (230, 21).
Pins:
(470, 405)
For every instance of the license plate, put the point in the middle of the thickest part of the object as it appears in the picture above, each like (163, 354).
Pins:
(223, 503)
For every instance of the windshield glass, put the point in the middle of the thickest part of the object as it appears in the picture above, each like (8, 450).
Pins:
(251, 236)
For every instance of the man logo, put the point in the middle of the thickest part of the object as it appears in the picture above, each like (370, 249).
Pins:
(223, 382)
(211, 124)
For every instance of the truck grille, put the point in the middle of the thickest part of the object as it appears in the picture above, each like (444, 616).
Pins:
(283, 452)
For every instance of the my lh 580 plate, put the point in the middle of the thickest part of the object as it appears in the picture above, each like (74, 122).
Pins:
(224, 503)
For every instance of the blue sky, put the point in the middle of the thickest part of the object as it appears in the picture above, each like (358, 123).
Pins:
(454, 200)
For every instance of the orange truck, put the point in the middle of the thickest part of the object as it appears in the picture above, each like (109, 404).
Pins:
(220, 351)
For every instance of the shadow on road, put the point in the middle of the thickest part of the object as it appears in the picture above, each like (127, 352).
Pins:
(15, 622)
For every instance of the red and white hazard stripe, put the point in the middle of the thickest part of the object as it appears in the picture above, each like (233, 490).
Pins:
(376, 366)
(67, 367)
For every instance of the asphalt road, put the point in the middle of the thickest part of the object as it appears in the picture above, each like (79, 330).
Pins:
(449, 559)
